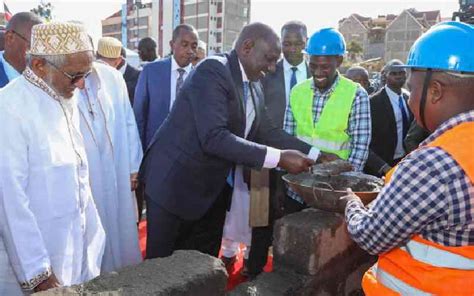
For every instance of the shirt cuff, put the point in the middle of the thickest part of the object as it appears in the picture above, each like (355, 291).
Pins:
(314, 153)
(272, 158)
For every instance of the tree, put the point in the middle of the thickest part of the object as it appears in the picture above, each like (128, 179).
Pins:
(354, 49)
(44, 10)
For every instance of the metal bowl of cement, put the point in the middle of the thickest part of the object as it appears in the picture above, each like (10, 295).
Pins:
(323, 192)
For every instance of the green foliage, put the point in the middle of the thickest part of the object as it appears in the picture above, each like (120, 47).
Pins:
(44, 10)
(354, 50)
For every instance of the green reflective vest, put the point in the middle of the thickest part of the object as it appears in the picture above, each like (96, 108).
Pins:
(329, 133)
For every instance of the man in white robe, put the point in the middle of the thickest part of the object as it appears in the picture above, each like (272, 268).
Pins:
(50, 231)
(114, 154)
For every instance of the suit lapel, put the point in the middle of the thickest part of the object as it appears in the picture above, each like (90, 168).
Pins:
(390, 114)
(237, 77)
(234, 66)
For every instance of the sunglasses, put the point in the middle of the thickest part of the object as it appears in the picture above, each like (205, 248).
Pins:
(21, 36)
(73, 78)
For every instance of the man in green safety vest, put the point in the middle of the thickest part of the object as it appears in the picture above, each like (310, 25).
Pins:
(328, 110)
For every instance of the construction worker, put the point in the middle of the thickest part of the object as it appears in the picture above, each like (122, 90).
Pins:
(422, 223)
(328, 110)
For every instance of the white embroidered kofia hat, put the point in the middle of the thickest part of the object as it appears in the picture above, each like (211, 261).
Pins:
(109, 47)
(59, 38)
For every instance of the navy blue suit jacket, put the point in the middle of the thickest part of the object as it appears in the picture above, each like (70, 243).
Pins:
(3, 76)
(152, 98)
(188, 160)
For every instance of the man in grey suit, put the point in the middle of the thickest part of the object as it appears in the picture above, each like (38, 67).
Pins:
(290, 70)
(217, 122)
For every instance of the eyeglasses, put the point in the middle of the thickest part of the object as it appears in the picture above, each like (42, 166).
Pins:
(74, 78)
(21, 36)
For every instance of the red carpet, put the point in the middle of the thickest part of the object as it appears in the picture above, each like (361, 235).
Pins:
(234, 273)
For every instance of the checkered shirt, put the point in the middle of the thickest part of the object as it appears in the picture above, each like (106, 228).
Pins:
(429, 194)
(359, 128)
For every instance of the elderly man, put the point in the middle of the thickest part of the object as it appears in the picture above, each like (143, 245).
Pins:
(114, 154)
(51, 233)
(421, 224)
(17, 42)
(109, 51)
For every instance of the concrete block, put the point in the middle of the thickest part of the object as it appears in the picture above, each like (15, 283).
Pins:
(183, 273)
(308, 240)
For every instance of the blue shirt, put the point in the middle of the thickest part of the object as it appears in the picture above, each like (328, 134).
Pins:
(11, 72)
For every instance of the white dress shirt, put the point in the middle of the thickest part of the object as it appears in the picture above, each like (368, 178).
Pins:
(301, 75)
(175, 76)
(394, 97)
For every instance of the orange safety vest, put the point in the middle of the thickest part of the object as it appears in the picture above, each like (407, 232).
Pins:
(422, 267)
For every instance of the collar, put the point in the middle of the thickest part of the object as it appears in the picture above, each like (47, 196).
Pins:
(330, 89)
(244, 76)
(9, 70)
(31, 77)
(449, 124)
(287, 66)
(175, 66)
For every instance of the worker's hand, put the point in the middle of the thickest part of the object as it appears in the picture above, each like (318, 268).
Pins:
(326, 157)
(49, 283)
(134, 181)
(294, 161)
(343, 200)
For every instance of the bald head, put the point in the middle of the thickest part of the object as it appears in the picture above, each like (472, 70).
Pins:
(256, 32)
(360, 75)
(18, 37)
(23, 21)
(258, 49)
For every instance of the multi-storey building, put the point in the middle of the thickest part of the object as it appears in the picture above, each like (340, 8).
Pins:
(387, 36)
(218, 22)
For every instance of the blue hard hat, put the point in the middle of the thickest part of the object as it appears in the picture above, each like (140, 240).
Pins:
(447, 46)
(326, 42)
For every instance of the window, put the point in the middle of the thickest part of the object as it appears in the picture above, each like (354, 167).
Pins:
(219, 7)
(219, 22)
(218, 37)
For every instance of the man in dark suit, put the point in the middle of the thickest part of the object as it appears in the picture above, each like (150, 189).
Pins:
(216, 123)
(17, 43)
(130, 74)
(391, 119)
(160, 81)
(290, 70)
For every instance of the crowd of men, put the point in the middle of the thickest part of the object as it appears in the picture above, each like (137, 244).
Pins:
(86, 138)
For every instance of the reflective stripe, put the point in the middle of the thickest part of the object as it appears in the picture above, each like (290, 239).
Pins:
(322, 144)
(437, 257)
(395, 284)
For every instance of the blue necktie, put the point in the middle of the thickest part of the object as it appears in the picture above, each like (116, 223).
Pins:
(293, 77)
(401, 105)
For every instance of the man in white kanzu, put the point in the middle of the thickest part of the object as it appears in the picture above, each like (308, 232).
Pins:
(114, 154)
(50, 231)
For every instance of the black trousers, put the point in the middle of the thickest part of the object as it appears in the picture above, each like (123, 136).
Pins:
(262, 237)
(167, 232)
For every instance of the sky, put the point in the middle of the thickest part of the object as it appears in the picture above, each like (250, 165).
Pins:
(314, 13)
